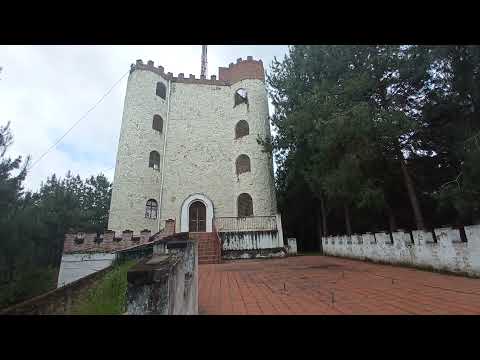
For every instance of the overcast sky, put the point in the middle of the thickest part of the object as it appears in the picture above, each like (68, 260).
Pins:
(44, 90)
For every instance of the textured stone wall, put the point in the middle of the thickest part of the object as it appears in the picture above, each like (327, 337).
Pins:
(134, 182)
(448, 253)
(201, 149)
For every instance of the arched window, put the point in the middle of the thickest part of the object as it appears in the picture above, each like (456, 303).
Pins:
(242, 164)
(245, 205)
(241, 129)
(157, 123)
(161, 90)
(154, 160)
(240, 97)
(151, 209)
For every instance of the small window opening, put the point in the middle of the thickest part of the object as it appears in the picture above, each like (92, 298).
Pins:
(245, 205)
(241, 97)
(151, 209)
(157, 123)
(154, 160)
(243, 164)
(161, 90)
(241, 129)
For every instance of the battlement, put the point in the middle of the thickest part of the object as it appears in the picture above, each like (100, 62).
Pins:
(109, 242)
(446, 249)
(242, 70)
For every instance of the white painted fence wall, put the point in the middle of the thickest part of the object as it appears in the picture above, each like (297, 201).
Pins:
(258, 233)
(77, 266)
(449, 253)
(251, 240)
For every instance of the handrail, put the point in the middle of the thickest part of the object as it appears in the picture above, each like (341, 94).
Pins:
(219, 240)
(244, 217)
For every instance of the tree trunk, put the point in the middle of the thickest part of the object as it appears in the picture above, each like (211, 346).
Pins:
(324, 216)
(347, 220)
(411, 195)
(391, 218)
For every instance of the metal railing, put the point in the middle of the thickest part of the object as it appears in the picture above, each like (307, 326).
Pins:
(250, 223)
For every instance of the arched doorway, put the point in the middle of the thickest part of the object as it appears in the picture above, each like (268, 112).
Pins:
(197, 214)
(185, 212)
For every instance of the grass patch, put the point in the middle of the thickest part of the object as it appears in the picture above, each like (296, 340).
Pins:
(108, 296)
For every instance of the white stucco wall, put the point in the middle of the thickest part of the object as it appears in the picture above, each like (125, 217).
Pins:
(449, 253)
(251, 240)
(77, 266)
(200, 153)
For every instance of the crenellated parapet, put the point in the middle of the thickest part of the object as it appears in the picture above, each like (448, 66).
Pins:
(447, 249)
(242, 70)
(110, 241)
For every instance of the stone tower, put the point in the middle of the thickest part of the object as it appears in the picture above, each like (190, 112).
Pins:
(187, 141)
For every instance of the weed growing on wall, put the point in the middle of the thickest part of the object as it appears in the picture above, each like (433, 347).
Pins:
(108, 296)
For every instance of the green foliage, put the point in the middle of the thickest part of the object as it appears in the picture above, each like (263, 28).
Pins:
(347, 117)
(108, 296)
(33, 225)
(29, 282)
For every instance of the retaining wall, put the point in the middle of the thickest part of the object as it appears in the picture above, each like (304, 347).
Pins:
(166, 283)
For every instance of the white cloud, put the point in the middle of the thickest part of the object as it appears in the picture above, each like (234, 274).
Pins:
(44, 90)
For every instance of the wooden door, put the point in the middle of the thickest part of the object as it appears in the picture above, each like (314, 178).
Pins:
(197, 215)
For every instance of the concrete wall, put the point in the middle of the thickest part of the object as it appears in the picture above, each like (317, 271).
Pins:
(200, 151)
(449, 253)
(165, 284)
(77, 266)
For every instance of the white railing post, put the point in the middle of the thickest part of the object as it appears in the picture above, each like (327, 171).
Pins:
(280, 230)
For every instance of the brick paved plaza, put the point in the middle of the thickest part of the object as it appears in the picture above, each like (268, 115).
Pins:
(327, 285)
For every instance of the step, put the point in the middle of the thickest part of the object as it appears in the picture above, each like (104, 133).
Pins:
(211, 257)
(208, 262)
(209, 249)
(208, 255)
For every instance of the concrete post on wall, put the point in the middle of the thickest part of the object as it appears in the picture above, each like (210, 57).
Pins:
(89, 241)
(108, 240)
(292, 246)
(145, 236)
(281, 243)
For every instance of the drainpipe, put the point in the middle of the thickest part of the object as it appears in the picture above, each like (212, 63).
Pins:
(163, 153)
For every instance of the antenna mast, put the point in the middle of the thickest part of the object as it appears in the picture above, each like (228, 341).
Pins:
(203, 70)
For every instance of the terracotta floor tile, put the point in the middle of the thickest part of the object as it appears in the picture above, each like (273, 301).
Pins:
(307, 285)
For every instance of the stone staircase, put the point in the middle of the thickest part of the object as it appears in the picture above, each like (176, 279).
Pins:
(209, 251)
